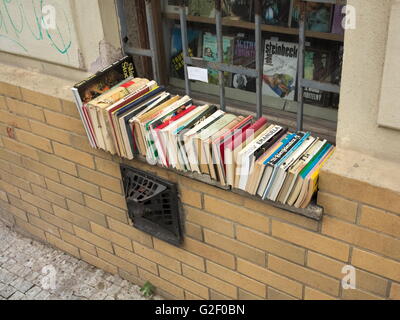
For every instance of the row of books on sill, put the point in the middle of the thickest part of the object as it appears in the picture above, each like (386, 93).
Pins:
(138, 117)
(280, 68)
(321, 17)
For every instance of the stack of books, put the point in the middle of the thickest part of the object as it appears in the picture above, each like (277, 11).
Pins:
(136, 116)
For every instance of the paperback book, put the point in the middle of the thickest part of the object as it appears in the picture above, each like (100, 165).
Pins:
(244, 55)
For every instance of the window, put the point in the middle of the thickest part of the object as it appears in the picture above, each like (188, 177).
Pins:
(237, 26)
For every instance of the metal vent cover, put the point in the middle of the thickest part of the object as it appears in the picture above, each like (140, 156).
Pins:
(153, 204)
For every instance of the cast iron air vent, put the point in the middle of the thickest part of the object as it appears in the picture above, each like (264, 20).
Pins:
(152, 204)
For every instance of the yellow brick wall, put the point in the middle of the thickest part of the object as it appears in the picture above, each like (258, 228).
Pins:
(57, 189)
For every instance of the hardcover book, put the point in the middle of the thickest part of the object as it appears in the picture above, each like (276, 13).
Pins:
(202, 8)
(238, 10)
(210, 53)
(318, 16)
(245, 56)
(194, 44)
(317, 67)
(280, 69)
(276, 12)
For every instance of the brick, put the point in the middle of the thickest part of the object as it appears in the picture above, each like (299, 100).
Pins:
(209, 252)
(113, 198)
(194, 231)
(157, 257)
(236, 279)
(106, 209)
(270, 278)
(12, 120)
(5, 166)
(64, 246)
(109, 167)
(99, 263)
(270, 244)
(362, 237)
(77, 242)
(270, 211)
(338, 206)
(69, 108)
(64, 191)
(190, 197)
(34, 231)
(307, 276)
(376, 264)
(20, 148)
(58, 163)
(41, 169)
(179, 254)
(185, 283)
(273, 294)
(3, 104)
(16, 212)
(244, 295)
(380, 220)
(210, 281)
(355, 294)
(112, 236)
(25, 109)
(27, 175)
(10, 90)
(50, 132)
(34, 140)
(333, 268)
(191, 296)
(25, 206)
(36, 201)
(80, 185)
(136, 259)
(118, 262)
(81, 142)
(233, 246)
(100, 179)
(3, 195)
(49, 196)
(71, 217)
(73, 155)
(56, 221)
(41, 99)
(311, 240)
(210, 190)
(93, 239)
(162, 284)
(360, 191)
(395, 291)
(9, 188)
(47, 227)
(9, 179)
(130, 232)
(10, 157)
(312, 294)
(209, 221)
(237, 214)
(87, 213)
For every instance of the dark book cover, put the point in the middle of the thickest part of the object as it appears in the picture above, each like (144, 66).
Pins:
(244, 54)
(268, 144)
(318, 16)
(176, 62)
(317, 66)
(241, 10)
(105, 79)
(276, 12)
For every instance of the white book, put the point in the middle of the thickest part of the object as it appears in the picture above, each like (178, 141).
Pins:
(246, 155)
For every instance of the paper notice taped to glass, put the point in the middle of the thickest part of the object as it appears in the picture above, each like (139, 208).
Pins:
(200, 74)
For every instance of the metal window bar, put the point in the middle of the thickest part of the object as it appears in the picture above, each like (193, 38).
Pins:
(152, 52)
(220, 66)
(304, 83)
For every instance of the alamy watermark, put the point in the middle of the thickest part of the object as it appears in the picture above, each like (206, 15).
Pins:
(49, 278)
(349, 280)
(49, 15)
